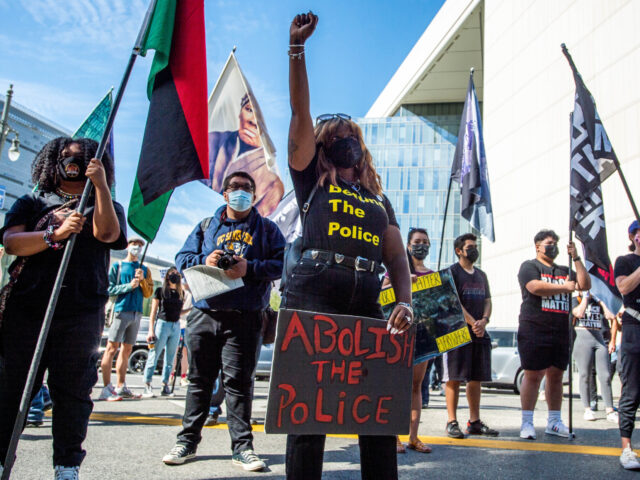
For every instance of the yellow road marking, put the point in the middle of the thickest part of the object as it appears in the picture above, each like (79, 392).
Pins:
(467, 442)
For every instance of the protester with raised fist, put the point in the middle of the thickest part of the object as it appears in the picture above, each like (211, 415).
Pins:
(349, 231)
(627, 275)
(37, 229)
(543, 332)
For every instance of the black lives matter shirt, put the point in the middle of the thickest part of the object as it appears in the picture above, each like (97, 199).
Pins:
(544, 314)
(473, 290)
(593, 315)
(625, 266)
(342, 219)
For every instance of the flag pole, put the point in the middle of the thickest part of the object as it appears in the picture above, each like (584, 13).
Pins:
(53, 300)
(444, 222)
(570, 315)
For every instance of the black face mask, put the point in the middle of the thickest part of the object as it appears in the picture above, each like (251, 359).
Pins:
(551, 251)
(345, 152)
(72, 169)
(174, 278)
(419, 251)
(472, 254)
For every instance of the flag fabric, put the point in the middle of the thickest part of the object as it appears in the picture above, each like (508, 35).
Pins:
(239, 140)
(469, 168)
(174, 147)
(94, 125)
(593, 160)
(287, 217)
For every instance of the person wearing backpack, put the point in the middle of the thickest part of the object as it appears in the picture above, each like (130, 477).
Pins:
(164, 330)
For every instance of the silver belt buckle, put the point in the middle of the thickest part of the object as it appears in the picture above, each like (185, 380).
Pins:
(357, 266)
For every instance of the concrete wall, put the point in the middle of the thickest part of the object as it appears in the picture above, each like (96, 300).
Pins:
(528, 95)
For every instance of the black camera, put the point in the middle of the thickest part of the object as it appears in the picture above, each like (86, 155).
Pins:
(226, 260)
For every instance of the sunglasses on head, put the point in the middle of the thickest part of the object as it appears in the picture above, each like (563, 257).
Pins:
(330, 116)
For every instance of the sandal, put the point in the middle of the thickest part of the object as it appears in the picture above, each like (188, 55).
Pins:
(400, 446)
(418, 446)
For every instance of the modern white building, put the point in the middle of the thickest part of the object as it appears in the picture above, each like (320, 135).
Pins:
(527, 92)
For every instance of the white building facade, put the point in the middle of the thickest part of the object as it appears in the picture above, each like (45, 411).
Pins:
(527, 91)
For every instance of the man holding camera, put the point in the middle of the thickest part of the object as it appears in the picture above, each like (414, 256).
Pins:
(224, 331)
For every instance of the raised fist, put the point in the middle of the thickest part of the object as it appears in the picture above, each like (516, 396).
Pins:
(302, 27)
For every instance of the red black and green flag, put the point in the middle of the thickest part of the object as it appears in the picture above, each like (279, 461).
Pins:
(174, 147)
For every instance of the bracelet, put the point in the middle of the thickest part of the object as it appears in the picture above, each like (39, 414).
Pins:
(48, 233)
(297, 45)
(576, 259)
(485, 318)
(295, 56)
(406, 305)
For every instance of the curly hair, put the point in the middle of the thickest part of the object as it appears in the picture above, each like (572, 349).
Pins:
(365, 171)
(44, 169)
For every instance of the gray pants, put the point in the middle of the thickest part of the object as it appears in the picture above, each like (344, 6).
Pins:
(589, 345)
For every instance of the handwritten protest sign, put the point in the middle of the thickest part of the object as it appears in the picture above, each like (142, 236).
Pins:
(339, 374)
(437, 313)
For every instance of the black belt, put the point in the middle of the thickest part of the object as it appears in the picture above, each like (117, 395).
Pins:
(359, 264)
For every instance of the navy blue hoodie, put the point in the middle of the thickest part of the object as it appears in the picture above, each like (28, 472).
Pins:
(255, 238)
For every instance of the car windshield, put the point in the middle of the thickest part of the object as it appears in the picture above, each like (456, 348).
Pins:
(503, 338)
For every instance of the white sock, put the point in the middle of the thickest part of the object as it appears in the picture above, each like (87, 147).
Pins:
(527, 416)
(554, 416)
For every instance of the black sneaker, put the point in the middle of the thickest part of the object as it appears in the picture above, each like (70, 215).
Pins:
(179, 454)
(479, 428)
(248, 460)
(212, 419)
(166, 391)
(453, 430)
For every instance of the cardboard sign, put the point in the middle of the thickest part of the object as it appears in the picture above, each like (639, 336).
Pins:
(339, 374)
(437, 313)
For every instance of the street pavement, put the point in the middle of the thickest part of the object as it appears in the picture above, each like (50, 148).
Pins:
(127, 440)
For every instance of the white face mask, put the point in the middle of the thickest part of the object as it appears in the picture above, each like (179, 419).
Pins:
(134, 250)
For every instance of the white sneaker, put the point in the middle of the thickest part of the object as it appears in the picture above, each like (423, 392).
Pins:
(589, 415)
(558, 429)
(629, 459)
(613, 417)
(148, 391)
(124, 392)
(527, 431)
(66, 473)
(109, 394)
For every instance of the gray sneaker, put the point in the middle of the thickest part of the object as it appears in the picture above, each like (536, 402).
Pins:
(179, 454)
(248, 460)
(66, 473)
(124, 392)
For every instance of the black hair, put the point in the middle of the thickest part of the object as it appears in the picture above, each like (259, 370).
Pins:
(44, 169)
(543, 234)
(412, 232)
(227, 179)
(458, 243)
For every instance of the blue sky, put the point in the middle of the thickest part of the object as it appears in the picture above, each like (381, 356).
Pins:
(63, 55)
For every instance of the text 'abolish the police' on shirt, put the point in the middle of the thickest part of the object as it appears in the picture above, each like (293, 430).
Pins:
(343, 206)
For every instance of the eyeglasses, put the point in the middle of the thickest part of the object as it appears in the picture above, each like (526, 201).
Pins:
(330, 116)
(247, 187)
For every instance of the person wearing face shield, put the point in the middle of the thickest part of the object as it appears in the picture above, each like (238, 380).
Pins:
(131, 282)
(224, 331)
(543, 331)
(470, 363)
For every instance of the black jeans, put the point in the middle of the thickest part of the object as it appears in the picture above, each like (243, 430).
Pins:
(630, 377)
(70, 356)
(340, 290)
(215, 339)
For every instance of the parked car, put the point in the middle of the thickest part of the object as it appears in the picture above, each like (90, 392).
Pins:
(506, 371)
(139, 353)
(263, 370)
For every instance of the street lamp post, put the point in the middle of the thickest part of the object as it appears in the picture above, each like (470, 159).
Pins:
(5, 129)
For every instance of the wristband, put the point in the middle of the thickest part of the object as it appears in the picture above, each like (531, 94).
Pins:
(576, 259)
(406, 305)
(296, 56)
(48, 233)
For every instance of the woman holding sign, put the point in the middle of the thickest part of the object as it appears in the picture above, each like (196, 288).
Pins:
(349, 231)
(418, 244)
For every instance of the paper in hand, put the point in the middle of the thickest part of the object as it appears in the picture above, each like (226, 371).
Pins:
(206, 282)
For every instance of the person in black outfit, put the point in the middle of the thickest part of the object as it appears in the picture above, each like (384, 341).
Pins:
(627, 275)
(36, 229)
(350, 228)
(543, 331)
(470, 363)
(224, 330)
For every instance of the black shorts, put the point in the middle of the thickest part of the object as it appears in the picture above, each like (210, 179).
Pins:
(469, 363)
(536, 355)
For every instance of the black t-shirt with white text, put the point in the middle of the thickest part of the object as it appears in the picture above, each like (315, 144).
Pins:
(473, 290)
(170, 306)
(548, 310)
(342, 218)
(625, 266)
(593, 317)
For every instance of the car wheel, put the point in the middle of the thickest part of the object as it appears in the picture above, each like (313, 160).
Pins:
(138, 360)
(517, 385)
